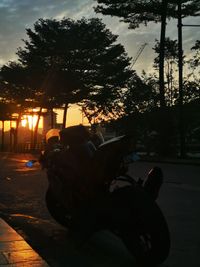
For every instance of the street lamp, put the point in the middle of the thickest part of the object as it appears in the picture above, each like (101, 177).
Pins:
(180, 71)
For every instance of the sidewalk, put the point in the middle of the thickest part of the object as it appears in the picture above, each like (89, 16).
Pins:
(14, 250)
(188, 161)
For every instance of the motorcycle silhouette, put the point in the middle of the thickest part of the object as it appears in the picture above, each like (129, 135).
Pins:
(89, 190)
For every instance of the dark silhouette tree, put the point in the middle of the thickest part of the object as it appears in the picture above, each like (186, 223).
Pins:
(171, 60)
(191, 90)
(191, 86)
(16, 90)
(6, 111)
(71, 61)
(74, 58)
(142, 12)
(140, 96)
(195, 62)
(80, 57)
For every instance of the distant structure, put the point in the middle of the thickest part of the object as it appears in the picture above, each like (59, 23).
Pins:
(138, 54)
(50, 121)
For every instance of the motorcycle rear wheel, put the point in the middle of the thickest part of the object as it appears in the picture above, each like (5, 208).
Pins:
(146, 234)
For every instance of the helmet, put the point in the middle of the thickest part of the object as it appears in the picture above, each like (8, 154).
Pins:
(74, 135)
(52, 134)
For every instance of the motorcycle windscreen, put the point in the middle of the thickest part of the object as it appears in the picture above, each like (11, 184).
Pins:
(109, 157)
(123, 145)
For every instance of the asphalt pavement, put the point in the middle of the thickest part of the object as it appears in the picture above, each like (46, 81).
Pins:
(179, 200)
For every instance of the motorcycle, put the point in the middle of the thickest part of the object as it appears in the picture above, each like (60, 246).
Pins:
(89, 189)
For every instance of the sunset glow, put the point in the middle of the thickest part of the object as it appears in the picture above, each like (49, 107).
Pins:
(74, 116)
(30, 121)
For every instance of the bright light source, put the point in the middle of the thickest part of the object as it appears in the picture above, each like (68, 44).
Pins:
(30, 121)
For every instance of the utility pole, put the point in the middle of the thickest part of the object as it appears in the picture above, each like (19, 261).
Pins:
(180, 71)
(180, 67)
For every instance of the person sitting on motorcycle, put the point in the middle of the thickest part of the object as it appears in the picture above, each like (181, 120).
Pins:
(52, 144)
(72, 165)
(78, 138)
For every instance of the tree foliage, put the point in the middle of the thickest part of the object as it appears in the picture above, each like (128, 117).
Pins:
(81, 58)
(140, 12)
(171, 51)
(140, 95)
(195, 62)
(15, 84)
(144, 11)
(171, 62)
(191, 90)
(67, 61)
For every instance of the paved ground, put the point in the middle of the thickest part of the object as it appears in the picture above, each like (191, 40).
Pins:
(15, 251)
(22, 196)
(180, 201)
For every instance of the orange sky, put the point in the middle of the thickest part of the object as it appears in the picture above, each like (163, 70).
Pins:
(74, 117)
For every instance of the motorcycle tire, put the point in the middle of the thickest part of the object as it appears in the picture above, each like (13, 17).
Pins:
(146, 235)
(56, 210)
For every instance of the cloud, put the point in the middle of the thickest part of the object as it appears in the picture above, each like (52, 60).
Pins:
(17, 15)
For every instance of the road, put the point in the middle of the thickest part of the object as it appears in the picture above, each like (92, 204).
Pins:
(179, 200)
(23, 206)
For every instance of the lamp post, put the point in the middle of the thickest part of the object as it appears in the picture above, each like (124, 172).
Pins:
(180, 71)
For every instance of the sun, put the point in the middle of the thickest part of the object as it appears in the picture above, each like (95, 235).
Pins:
(30, 121)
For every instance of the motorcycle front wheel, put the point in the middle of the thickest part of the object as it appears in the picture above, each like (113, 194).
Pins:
(56, 210)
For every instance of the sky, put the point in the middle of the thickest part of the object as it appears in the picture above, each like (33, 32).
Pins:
(17, 15)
